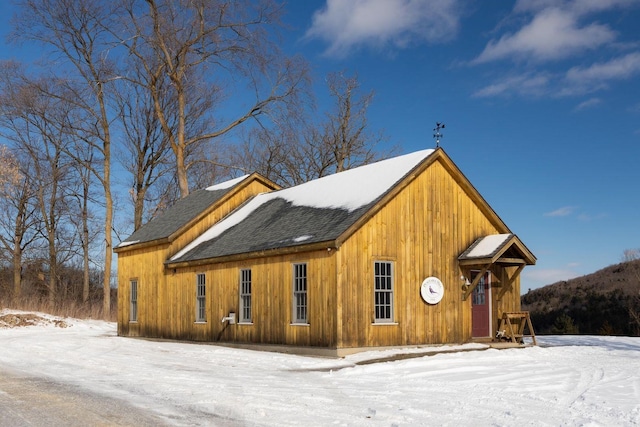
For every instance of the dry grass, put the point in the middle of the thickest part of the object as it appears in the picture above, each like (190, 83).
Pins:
(88, 310)
(13, 320)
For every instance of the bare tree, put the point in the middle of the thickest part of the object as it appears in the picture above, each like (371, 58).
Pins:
(632, 256)
(266, 152)
(83, 198)
(18, 214)
(145, 147)
(346, 133)
(75, 32)
(35, 124)
(202, 47)
(299, 151)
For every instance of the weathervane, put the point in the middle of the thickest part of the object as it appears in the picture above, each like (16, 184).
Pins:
(437, 135)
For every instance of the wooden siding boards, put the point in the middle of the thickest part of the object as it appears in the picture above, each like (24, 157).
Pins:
(414, 230)
(271, 302)
(422, 224)
(144, 259)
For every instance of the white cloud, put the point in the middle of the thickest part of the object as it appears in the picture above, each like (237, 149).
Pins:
(563, 211)
(578, 7)
(570, 210)
(617, 68)
(591, 102)
(576, 81)
(349, 24)
(552, 34)
(549, 276)
(525, 85)
(598, 76)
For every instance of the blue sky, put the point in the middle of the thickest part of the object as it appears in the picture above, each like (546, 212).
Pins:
(541, 101)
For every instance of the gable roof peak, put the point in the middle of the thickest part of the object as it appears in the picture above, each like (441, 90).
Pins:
(351, 192)
(227, 184)
(353, 188)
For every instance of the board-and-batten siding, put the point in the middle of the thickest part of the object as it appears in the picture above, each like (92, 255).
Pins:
(272, 304)
(422, 230)
(147, 266)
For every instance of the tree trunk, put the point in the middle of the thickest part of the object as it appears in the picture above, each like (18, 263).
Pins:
(17, 272)
(108, 222)
(138, 207)
(181, 172)
(85, 242)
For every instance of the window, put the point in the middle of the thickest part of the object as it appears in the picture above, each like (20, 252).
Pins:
(479, 295)
(300, 293)
(133, 298)
(383, 271)
(245, 296)
(201, 306)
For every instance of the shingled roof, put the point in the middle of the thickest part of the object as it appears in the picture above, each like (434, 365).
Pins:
(184, 211)
(313, 212)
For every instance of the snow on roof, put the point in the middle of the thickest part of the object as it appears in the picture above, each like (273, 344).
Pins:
(347, 190)
(226, 184)
(488, 245)
(126, 243)
(183, 211)
(353, 188)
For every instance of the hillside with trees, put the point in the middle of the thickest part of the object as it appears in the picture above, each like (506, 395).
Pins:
(606, 302)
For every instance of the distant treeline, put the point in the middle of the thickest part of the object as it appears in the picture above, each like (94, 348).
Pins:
(588, 313)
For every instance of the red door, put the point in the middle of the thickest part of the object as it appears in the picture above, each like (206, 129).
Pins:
(481, 310)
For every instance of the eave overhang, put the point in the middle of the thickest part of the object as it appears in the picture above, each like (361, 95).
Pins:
(505, 250)
(326, 245)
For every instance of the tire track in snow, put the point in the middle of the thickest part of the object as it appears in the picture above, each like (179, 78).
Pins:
(587, 381)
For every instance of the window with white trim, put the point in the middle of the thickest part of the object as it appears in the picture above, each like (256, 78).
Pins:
(133, 301)
(383, 291)
(245, 295)
(201, 306)
(300, 293)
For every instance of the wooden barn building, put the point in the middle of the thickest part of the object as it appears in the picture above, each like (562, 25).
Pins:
(401, 252)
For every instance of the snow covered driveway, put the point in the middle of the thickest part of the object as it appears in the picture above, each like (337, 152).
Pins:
(566, 381)
(37, 402)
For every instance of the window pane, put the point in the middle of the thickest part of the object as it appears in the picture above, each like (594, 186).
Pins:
(300, 293)
(133, 312)
(245, 295)
(383, 291)
(200, 298)
(479, 296)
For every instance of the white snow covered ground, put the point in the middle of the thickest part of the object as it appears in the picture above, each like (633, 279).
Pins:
(567, 380)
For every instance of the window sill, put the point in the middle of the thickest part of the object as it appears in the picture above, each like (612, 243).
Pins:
(384, 324)
(245, 323)
(202, 322)
(133, 321)
(298, 324)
